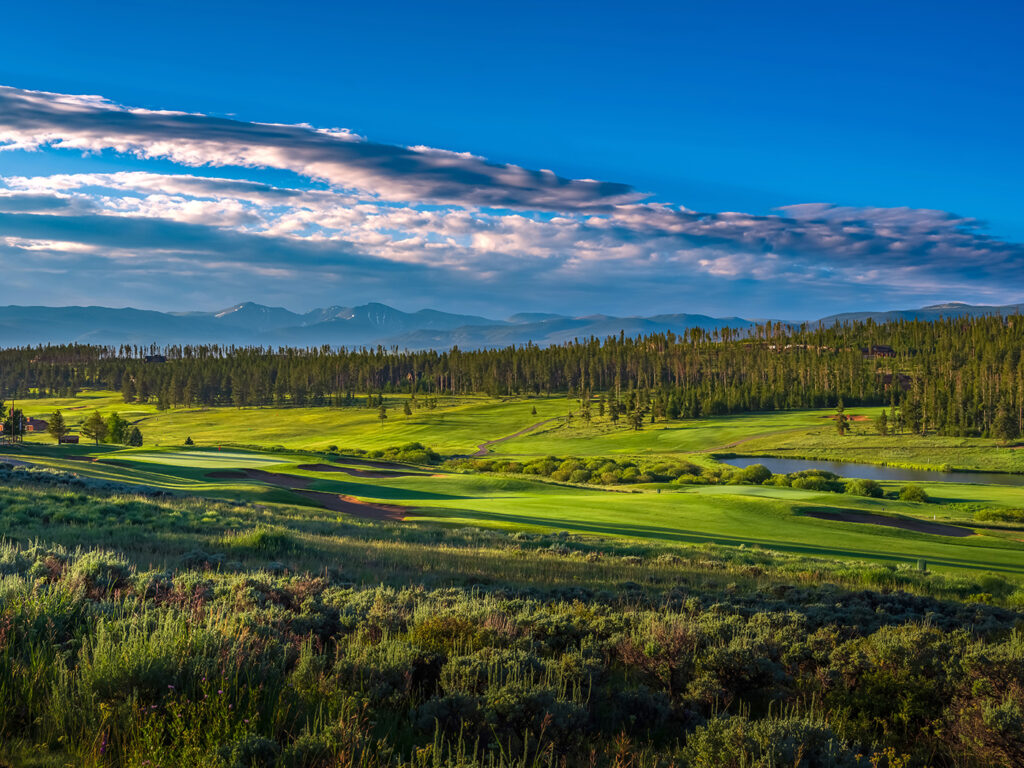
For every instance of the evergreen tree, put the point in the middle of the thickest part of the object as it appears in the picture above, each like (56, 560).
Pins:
(842, 420)
(882, 423)
(128, 389)
(14, 424)
(117, 429)
(1004, 426)
(382, 414)
(636, 416)
(406, 409)
(134, 437)
(94, 427)
(57, 428)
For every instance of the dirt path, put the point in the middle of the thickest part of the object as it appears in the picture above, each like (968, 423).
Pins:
(907, 523)
(484, 447)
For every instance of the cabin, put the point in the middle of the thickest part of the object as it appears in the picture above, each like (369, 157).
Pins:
(878, 350)
(32, 425)
(155, 358)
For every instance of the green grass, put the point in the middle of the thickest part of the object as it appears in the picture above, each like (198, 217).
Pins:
(237, 623)
(603, 438)
(865, 445)
(767, 517)
(457, 425)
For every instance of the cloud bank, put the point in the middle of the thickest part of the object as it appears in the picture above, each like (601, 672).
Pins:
(416, 226)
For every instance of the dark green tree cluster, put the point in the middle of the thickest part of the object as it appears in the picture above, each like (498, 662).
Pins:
(954, 377)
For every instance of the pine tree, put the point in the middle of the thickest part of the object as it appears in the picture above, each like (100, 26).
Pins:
(382, 414)
(1004, 426)
(95, 428)
(14, 424)
(128, 389)
(882, 423)
(117, 429)
(134, 438)
(406, 409)
(636, 416)
(57, 428)
(842, 420)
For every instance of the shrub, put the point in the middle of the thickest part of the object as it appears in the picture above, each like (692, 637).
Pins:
(755, 474)
(864, 487)
(100, 572)
(737, 741)
(913, 492)
(816, 480)
(630, 475)
(579, 476)
(1000, 515)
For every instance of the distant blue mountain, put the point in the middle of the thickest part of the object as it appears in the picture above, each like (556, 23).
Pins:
(372, 324)
(932, 312)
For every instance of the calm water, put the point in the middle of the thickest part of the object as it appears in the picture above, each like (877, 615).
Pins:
(872, 472)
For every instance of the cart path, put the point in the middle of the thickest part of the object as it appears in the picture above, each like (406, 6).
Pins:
(484, 447)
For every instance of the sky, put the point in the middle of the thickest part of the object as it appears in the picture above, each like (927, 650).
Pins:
(786, 160)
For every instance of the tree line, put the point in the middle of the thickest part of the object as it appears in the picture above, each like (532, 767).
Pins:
(961, 376)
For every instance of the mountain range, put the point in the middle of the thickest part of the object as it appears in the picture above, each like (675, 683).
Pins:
(372, 324)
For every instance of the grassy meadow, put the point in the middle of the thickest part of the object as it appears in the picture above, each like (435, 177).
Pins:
(287, 594)
(779, 518)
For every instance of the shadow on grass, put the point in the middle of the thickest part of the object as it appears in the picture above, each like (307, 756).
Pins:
(690, 537)
(389, 492)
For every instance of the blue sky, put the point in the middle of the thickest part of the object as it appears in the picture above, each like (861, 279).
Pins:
(892, 128)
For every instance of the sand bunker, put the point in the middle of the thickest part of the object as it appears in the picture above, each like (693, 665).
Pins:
(333, 501)
(274, 478)
(907, 523)
(337, 502)
(374, 463)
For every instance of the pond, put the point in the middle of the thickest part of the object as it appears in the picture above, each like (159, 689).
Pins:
(875, 472)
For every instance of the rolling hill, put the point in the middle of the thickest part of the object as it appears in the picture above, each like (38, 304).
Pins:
(374, 323)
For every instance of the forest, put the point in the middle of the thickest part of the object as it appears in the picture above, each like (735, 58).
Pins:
(961, 377)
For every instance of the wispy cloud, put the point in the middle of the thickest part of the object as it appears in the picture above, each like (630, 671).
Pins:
(423, 225)
(34, 119)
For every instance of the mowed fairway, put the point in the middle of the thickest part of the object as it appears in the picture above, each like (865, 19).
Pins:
(768, 517)
(457, 425)
(601, 438)
(760, 516)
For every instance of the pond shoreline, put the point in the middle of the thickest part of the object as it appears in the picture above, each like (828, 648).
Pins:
(873, 471)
